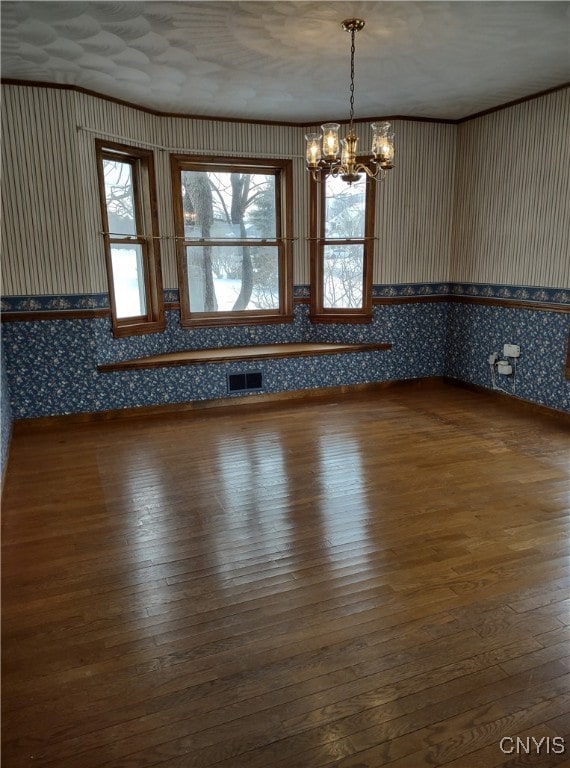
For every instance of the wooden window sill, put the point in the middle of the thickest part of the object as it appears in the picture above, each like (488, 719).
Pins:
(229, 354)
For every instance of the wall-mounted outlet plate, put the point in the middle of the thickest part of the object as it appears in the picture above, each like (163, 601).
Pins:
(511, 350)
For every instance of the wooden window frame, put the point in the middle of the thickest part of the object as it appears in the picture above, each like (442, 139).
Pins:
(282, 169)
(146, 218)
(319, 313)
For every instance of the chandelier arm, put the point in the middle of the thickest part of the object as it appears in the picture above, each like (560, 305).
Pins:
(320, 175)
(374, 172)
(367, 170)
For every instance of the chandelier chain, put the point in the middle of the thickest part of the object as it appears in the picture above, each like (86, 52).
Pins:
(352, 51)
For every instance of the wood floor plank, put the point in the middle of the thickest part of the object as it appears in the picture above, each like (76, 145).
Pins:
(371, 580)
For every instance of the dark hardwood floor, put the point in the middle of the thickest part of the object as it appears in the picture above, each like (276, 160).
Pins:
(371, 580)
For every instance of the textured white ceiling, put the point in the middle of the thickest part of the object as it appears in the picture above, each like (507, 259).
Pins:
(289, 61)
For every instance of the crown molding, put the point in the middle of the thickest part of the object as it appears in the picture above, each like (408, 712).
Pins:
(304, 124)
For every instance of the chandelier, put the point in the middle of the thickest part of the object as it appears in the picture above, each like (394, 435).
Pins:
(322, 151)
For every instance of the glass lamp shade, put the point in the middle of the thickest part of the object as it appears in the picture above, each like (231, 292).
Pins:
(313, 151)
(383, 144)
(331, 143)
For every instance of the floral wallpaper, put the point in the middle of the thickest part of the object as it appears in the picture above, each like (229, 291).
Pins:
(54, 303)
(513, 292)
(400, 290)
(51, 365)
(474, 331)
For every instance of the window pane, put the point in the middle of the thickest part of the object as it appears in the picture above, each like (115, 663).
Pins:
(343, 276)
(119, 197)
(345, 205)
(128, 280)
(229, 278)
(228, 205)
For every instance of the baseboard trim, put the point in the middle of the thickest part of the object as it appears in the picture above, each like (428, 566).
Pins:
(512, 400)
(196, 407)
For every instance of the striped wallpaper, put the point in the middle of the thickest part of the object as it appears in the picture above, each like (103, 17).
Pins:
(436, 213)
(41, 185)
(415, 204)
(512, 201)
